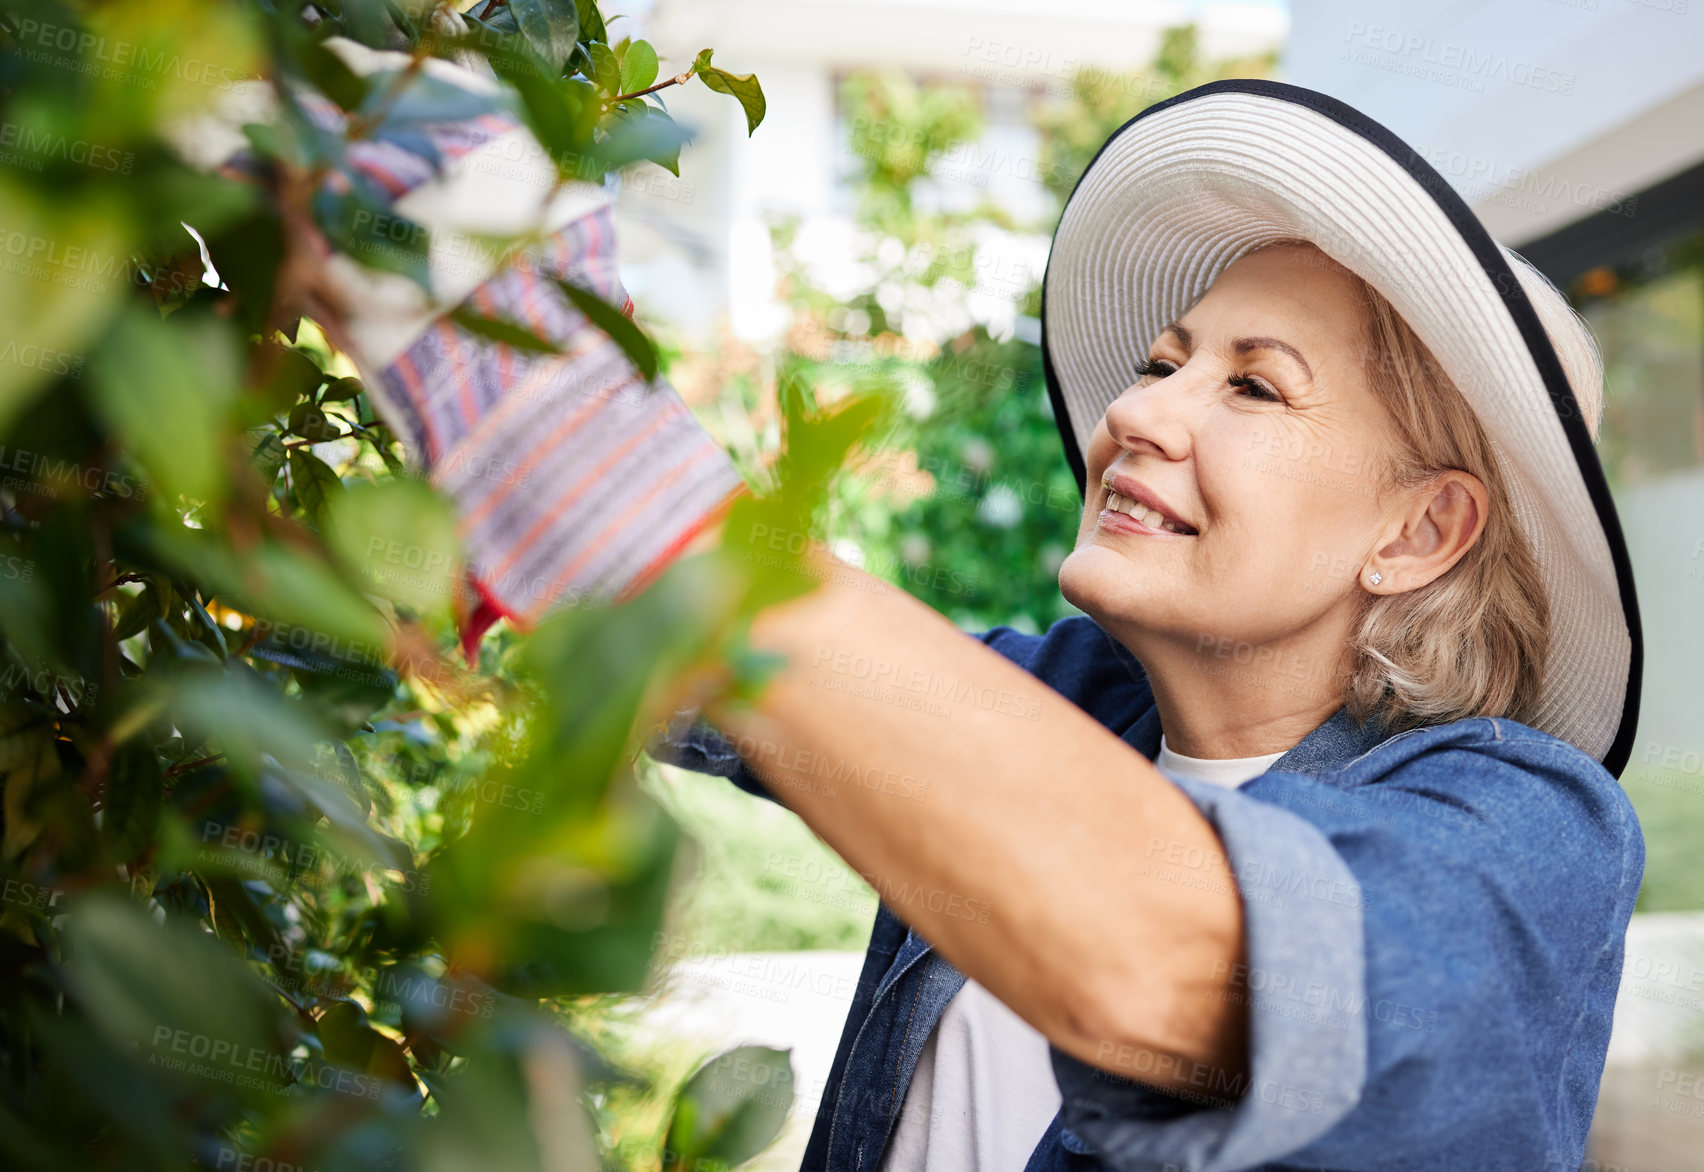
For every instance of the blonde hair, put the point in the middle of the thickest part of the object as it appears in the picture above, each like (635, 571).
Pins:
(1474, 641)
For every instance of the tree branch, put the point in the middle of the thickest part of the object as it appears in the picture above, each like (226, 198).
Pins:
(677, 79)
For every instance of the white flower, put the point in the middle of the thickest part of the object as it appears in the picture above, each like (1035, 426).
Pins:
(1001, 508)
(978, 455)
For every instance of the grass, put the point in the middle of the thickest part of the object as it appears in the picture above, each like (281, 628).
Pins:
(1671, 814)
(752, 878)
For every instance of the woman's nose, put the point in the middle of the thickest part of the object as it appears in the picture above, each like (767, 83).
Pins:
(1155, 415)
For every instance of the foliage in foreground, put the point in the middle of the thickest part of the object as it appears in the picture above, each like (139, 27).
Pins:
(281, 881)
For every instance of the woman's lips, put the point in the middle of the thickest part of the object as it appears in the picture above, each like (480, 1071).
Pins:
(1150, 518)
(1114, 521)
(1124, 494)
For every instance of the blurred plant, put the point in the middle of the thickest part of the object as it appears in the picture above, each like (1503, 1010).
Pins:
(280, 880)
(896, 129)
(1074, 126)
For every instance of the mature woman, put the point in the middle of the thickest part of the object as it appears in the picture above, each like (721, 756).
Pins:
(1302, 846)
(1355, 587)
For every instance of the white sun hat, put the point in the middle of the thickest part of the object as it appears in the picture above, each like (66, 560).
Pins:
(1192, 183)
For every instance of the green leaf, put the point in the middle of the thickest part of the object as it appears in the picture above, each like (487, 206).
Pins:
(204, 630)
(562, 115)
(591, 21)
(398, 539)
(162, 387)
(237, 915)
(29, 804)
(550, 26)
(403, 20)
(271, 580)
(315, 482)
(815, 445)
(170, 989)
(138, 612)
(742, 86)
(647, 133)
(309, 422)
(342, 390)
(295, 377)
(568, 898)
(346, 830)
(509, 333)
(731, 1108)
(268, 457)
(489, 14)
(483, 1118)
(354, 1045)
(27, 607)
(638, 67)
(135, 794)
(382, 445)
(169, 646)
(56, 310)
(427, 99)
(135, 1099)
(347, 699)
(269, 142)
(632, 340)
(246, 715)
(606, 70)
(247, 255)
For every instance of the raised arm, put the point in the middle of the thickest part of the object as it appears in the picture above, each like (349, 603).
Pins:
(1024, 865)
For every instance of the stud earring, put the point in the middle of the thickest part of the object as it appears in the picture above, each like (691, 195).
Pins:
(1375, 577)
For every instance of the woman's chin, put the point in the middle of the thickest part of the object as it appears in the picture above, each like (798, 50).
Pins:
(1101, 584)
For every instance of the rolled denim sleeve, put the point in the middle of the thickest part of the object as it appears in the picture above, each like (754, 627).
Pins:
(688, 741)
(1434, 940)
(1303, 925)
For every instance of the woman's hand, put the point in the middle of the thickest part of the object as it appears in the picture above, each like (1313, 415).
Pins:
(577, 478)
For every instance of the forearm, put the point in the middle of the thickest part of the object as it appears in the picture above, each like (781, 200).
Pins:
(1023, 860)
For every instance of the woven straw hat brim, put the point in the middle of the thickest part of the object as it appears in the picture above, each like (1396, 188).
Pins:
(1192, 183)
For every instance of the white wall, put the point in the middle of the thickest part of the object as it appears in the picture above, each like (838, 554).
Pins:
(1539, 112)
(693, 261)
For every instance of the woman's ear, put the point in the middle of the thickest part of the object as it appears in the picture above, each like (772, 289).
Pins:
(1444, 519)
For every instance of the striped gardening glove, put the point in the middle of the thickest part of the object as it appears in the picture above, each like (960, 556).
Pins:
(575, 477)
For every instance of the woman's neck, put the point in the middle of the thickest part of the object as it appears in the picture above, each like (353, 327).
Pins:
(1212, 706)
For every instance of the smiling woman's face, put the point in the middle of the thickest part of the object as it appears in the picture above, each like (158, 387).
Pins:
(1245, 465)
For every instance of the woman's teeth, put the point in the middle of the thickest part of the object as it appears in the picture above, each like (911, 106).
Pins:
(1152, 518)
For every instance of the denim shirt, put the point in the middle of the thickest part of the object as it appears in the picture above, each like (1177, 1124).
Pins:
(1434, 926)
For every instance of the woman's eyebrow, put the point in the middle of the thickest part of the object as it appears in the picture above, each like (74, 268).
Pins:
(1245, 345)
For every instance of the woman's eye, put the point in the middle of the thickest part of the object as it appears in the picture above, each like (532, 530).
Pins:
(1154, 368)
(1255, 388)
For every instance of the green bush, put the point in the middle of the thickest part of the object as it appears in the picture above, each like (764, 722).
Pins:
(280, 878)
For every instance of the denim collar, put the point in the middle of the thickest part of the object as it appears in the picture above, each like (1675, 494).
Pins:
(1335, 743)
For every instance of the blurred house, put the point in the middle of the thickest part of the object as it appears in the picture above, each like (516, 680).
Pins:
(697, 248)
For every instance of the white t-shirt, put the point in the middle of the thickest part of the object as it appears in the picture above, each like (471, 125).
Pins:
(983, 1092)
(1229, 772)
